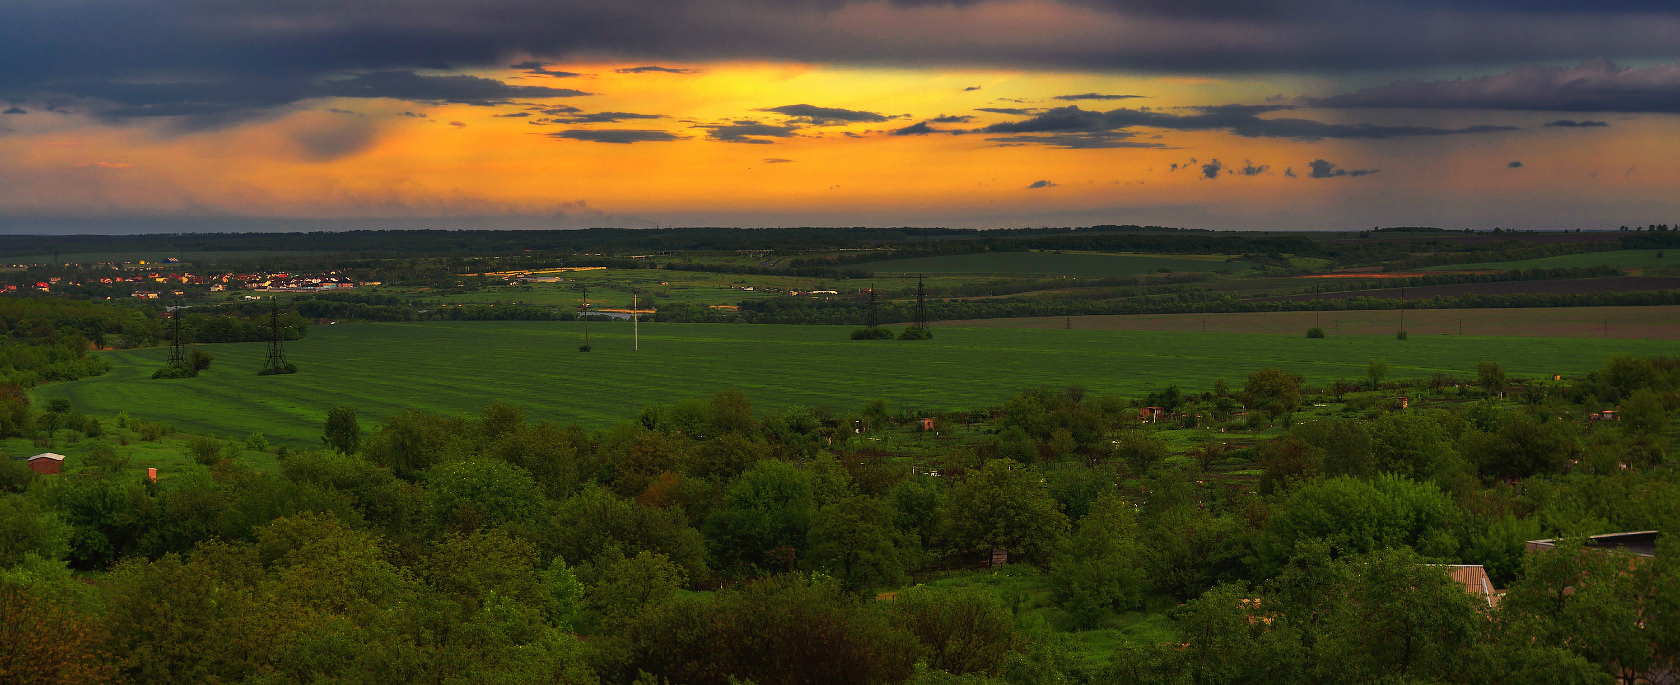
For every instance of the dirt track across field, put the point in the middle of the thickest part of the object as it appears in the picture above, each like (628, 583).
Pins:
(1656, 323)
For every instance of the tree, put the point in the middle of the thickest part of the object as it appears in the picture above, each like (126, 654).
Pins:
(44, 644)
(1375, 371)
(1004, 506)
(854, 539)
(1272, 392)
(765, 517)
(199, 359)
(343, 433)
(1357, 516)
(1100, 568)
(1644, 414)
(1491, 377)
(621, 587)
(962, 631)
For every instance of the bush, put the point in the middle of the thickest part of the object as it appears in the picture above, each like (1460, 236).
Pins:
(181, 370)
(199, 359)
(92, 428)
(288, 367)
(1315, 332)
(205, 449)
(257, 442)
(872, 333)
(1400, 334)
(583, 348)
(152, 432)
(916, 333)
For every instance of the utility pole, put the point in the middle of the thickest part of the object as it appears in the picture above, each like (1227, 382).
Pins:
(921, 305)
(636, 322)
(275, 363)
(1315, 305)
(873, 318)
(583, 312)
(1402, 308)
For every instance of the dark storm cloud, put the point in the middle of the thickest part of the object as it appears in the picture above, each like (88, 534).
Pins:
(535, 68)
(330, 142)
(617, 136)
(1096, 140)
(1598, 85)
(1242, 120)
(458, 89)
(651, 69)
(751, 132)
(605, 118)
(812, 114)
(1513, 165)
(920, 128)
(14, 109)
(1571, 123)
(1211, 169)
(1319, 168)
(1041, 184)
(1251, 169)
(223, 58)
(557, 110)
(1094, 96)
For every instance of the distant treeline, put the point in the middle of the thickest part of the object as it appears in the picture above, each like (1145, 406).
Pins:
(1332, 285)
(46, 339)
(842, 312)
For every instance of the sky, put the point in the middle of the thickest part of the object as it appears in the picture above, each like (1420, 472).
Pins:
(188, 115)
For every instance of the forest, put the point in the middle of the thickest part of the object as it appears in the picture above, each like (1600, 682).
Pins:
(705, 542)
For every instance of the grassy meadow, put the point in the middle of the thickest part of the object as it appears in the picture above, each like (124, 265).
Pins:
(1625, 259)
(383, 368)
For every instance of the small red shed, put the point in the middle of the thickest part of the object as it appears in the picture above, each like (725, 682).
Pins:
(46, 463)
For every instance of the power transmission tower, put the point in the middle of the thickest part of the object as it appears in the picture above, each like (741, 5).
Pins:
(921, 305)
(873, 318)
(275, 363)
(636, 322)
(175, 355)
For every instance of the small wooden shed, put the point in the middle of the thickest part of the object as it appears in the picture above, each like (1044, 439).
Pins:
(46, 463)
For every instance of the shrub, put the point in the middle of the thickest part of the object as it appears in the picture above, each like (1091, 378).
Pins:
(1315, 332)
(257, 442)
(916, 333)
(152, 432)
(872, 333)
(181, 370)
(286, 368)
(199, 359)
(92, 428)
(205, 449)
(1400, 334)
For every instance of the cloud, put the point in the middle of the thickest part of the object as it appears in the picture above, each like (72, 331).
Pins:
(1094, 140)
(458, 124)
(415, 115)
(513, 115)
(1571, 123)
(104, 165)
(656, 70)
(1211, 169)
(336, 110)
(1250, 169)
(776, 160)
(971, 89)
(1094, 96)
(1289, 172)
(618, 136)
(951, 119)
(1041, 184)
(535, 68)
(459, 89)
(1012, 111)
(324, 139)
(1241, 120)
(1597, 85)
(823, 116)
(1319, 168)
(751, 132)
(14, 109)
(1513, 165)
(605, 118)
(920, 128)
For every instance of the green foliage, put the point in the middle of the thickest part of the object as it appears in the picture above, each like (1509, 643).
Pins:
(620, 588)
(178, 370)
(1007, 506)
(1401, 334)
(27, 530)
(916, 333)
(256, 441)
(765, 517)
(1357, 516)
(1100, 570)
(1272, 392)
(1315, 332)
(1491, 376)
(1376, 371)
(199, 359)
(872, 333)
(961, 632)
(855, 541)
(205, 449)
(343, 433)
(1644, 414)
(1140, 450)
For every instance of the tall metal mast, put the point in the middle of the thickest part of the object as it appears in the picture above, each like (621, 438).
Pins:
(583, 311)
(873, 318)
(175, 355)
(276, 361)
(921, 305)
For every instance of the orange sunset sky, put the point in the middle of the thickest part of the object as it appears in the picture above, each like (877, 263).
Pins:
(920, 125)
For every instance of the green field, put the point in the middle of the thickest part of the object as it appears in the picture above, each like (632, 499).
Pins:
(382, 368)
(1070, 264)
(1626, 259)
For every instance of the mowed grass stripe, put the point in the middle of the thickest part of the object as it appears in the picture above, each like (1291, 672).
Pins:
(459, 367)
